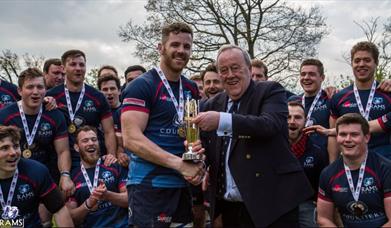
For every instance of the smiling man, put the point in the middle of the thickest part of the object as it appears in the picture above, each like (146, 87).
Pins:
(100, 199)
(246, 140)
(152, 112)
(44, 136)
(211, 81)
(315, 101)
(358, 183)
(82, 104)
(365, 98)
(25, 183)
(310, 157)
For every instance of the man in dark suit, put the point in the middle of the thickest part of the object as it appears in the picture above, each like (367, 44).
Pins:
(255, 181)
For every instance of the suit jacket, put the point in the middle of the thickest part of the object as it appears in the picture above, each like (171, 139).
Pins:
(269, 177)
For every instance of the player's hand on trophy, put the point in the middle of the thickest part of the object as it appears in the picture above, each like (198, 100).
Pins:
(207, 121)
(196, 147)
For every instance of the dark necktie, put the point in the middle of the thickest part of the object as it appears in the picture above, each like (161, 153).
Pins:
(221, 183)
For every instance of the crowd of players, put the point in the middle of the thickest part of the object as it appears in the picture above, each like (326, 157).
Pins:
(71, 154)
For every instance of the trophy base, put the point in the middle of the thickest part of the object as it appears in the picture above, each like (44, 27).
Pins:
(190, 156)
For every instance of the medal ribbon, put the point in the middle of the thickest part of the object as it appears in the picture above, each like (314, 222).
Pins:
(96, 175)
(356, 192)
(307, 121)
(69, 103)
(29, 137)
(178, 107)
(11, 191)
(365, 113)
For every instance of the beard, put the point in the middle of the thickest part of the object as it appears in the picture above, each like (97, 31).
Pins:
(169, 61)
(89, 158)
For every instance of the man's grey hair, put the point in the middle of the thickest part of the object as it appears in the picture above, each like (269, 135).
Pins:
(225, 47)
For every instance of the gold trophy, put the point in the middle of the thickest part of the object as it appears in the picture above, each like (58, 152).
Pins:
(191, 129)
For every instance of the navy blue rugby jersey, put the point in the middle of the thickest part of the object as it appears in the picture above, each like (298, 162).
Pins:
(107, 214)
(148, 94)
(345, 102)
(376, 186)
(34, 183)
(93, 109)
(8, 93)
(320, 116)
(51, 127)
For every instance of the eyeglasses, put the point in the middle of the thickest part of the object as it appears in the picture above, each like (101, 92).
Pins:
(224, 71)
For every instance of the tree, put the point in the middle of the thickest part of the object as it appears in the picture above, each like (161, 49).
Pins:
(11, 64)
(272, 31)
(92, 77)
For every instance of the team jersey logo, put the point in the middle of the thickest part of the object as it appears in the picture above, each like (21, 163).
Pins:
(89, 106)
(164, 218)
(24, 192)
(45, 129)
(349, 104)
(377, 100)
(309, 162)
(24, 188)
(339, 188)
(6, 99)
(108, 177)
(164, 97)
(106, 174)
(368, 181)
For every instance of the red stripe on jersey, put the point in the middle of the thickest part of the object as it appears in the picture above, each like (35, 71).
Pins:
(343, 97)
(107, 115)
(131, 108)
(93, 98)
(133, 101)
(336, 176)
(52, 187)
(157, 91)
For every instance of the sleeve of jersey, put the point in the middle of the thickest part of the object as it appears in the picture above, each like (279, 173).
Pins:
(333, 107)
(137, 97)
(385, 122)
(105, 111)
(61, 131)
(117, 121)
(324, 187)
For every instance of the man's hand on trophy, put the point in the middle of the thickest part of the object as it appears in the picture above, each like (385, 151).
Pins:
(207, 121)
(196, 147)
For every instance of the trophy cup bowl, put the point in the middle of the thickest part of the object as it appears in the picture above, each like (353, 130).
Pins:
(192, 130)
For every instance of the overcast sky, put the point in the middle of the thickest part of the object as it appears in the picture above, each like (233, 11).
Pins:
(50, 27)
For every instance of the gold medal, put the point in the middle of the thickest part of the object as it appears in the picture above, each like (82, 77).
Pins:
(27, 153)
(182, 132)
(72, 128)
(358, 209)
